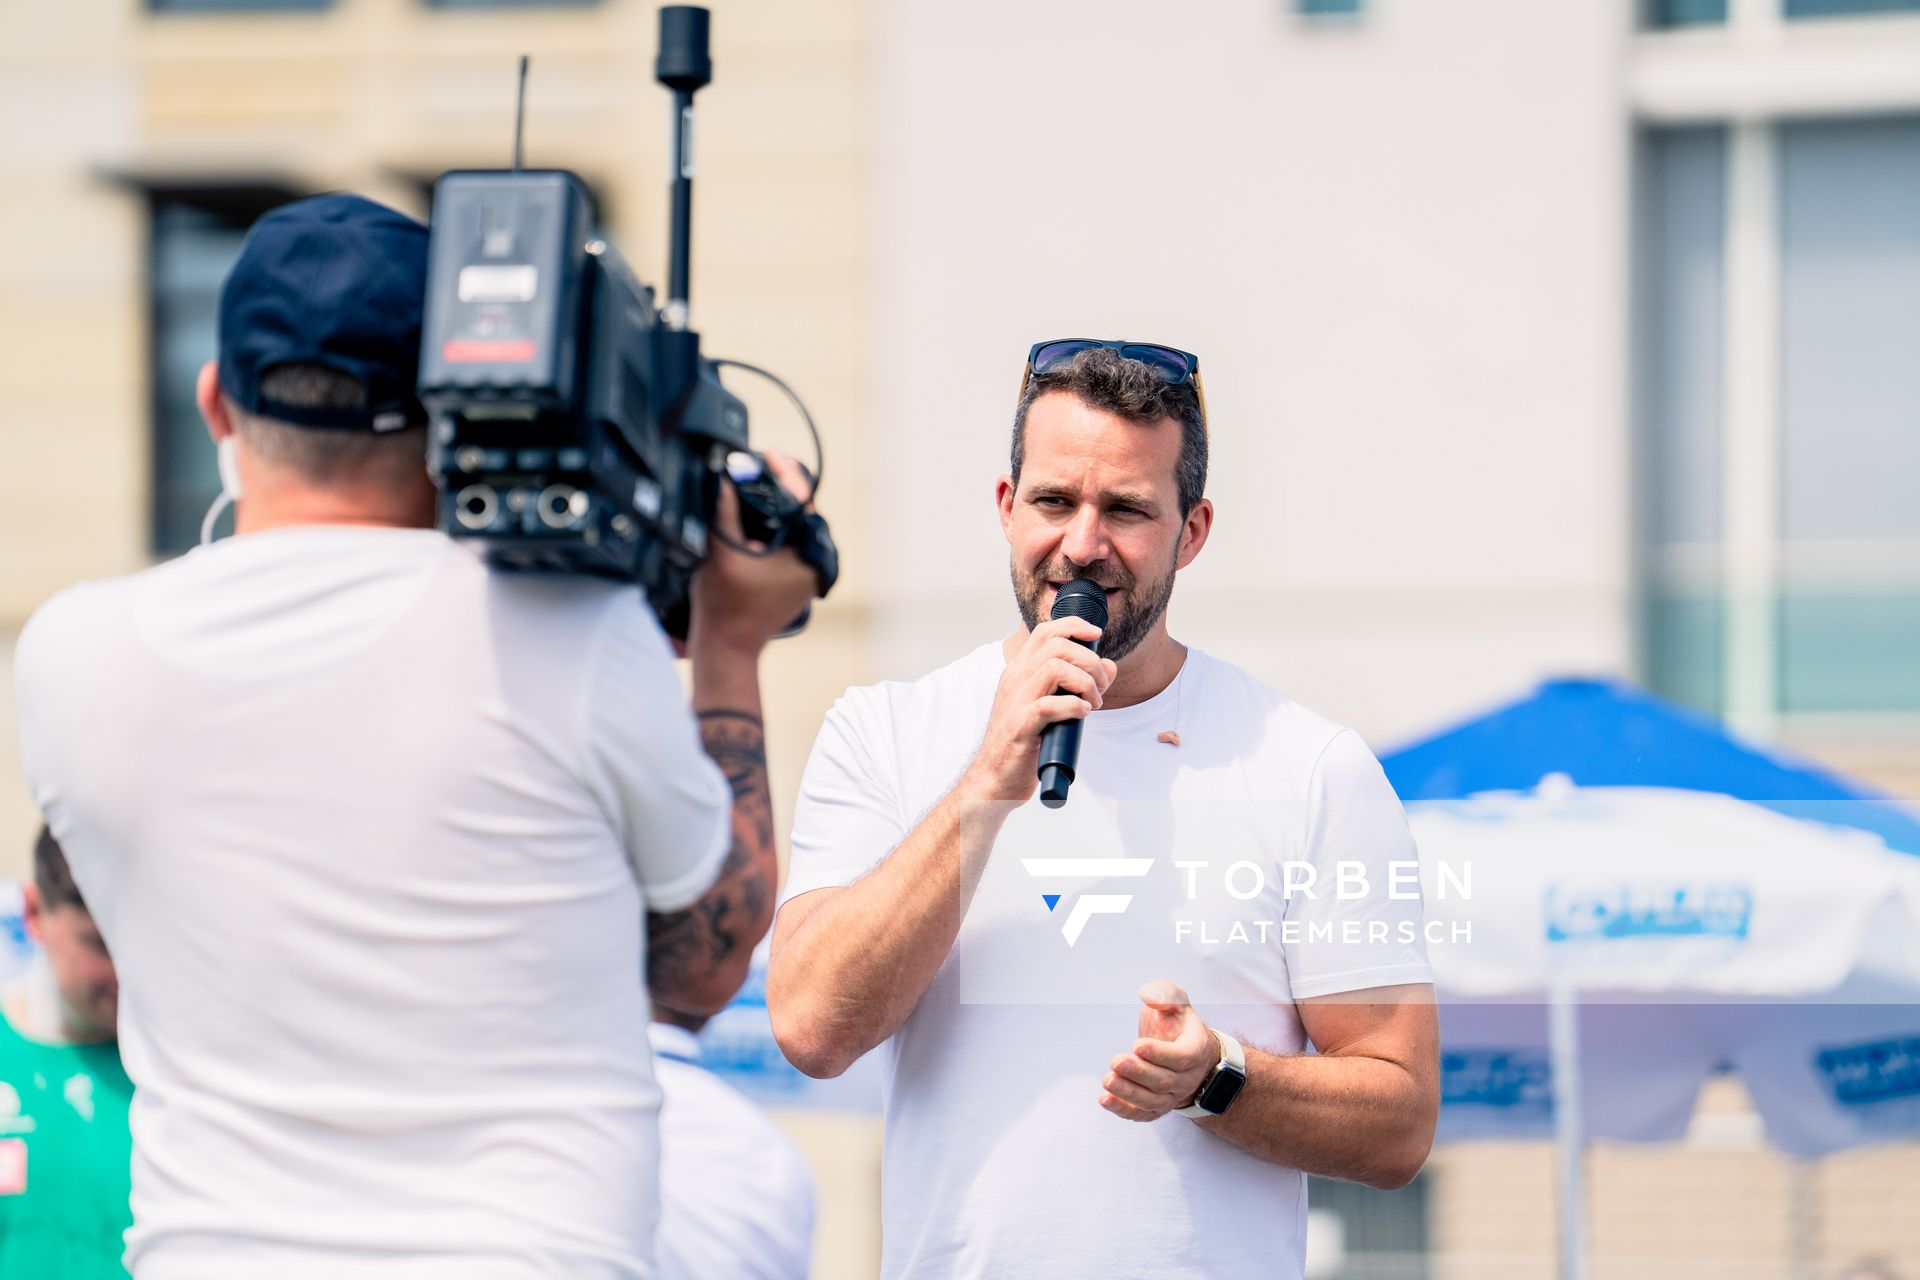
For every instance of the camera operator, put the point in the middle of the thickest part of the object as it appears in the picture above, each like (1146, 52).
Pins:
(372, 829)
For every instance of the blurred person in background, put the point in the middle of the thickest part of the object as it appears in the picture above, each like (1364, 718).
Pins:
(1028, 1132)
(736, 1194)
(64, 1146)
(391, 847)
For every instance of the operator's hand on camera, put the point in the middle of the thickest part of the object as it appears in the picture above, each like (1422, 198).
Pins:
(1050, 678)
(739, 600)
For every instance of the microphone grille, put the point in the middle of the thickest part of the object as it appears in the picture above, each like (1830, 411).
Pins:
(1082, 598)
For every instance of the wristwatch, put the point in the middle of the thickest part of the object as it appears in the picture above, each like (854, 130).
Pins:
(1222, 1084)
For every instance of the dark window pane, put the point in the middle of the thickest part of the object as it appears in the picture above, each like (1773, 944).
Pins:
(1850, 340)
(1678, 349)
(1684, 626)
(1687, 13)
(1844, 8)
(234, 6)
(511, 4)
(195, 240)
(1850, 415)
(1318, 8)
(1685, 238)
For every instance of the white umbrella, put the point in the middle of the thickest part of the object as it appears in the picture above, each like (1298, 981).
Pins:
(1621, 945)
(1618, 943)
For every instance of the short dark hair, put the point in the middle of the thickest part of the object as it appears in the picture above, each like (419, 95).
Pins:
(1107, 380)
(313, 386)
(323, 455)
(51, 875)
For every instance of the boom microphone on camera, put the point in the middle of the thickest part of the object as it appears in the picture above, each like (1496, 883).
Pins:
(575, 425)
(1060, 743)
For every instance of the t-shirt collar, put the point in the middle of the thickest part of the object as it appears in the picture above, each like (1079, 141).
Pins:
(673, 1042)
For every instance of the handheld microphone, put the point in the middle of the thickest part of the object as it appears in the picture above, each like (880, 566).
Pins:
(1060, 743)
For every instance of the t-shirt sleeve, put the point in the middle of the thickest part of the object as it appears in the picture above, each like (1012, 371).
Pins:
(1363, 925)
(33, 667)
(847, 817)
(669, 805)
(49, 705)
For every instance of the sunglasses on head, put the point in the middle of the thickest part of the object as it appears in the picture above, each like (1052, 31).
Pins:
(1174, 366)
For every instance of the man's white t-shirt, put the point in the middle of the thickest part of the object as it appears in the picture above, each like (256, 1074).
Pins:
(1168, 861)
(371, 832)
(736, 1194)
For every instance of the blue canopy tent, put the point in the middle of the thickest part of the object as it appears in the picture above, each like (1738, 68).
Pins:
(1604, 733)
(1582, 737)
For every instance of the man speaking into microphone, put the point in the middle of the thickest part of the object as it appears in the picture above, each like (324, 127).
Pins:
(1097, 989)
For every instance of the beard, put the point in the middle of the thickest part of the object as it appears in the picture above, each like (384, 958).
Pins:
(1131, 614)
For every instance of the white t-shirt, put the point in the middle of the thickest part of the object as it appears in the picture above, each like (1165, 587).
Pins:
(999, 1161)
(736, 1194)
(370, 831)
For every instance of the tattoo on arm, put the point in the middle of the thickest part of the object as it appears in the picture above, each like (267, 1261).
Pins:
(738, 744)
(685, 946)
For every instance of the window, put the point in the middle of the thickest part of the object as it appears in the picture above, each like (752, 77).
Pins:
(1782, 520)
(235, 6)
(1846, 8)
(1687, 13)
(511, 4)
(1685, 215)
(1850, 415)
(196, 235)
(1328, 8)
(1703, 13)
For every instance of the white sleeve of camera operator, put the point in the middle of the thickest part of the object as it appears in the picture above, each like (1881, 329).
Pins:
(669, 804)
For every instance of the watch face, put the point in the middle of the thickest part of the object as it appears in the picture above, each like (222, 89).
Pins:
(1221, 1090)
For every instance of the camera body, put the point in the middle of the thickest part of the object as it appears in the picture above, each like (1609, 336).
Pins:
(575, 426)
(571, 431)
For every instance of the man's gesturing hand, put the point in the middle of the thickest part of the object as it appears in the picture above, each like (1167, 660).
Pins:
(1167, 1064)
(1030, 698)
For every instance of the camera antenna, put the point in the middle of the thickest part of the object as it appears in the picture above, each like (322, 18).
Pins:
(685, 67)
(519, 113)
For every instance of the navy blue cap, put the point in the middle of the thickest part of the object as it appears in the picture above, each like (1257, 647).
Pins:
(332, 280)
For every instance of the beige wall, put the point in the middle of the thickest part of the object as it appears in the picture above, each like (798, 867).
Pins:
(1408, 297)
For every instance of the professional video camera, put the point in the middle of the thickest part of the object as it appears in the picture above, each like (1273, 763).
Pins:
(575, 427)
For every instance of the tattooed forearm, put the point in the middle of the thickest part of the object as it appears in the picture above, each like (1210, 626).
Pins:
(696, 958)
(738, 744)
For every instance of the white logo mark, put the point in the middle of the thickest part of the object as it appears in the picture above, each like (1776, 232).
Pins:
(1092, 904)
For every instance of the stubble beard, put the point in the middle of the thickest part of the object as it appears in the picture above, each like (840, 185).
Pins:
(1132, 615)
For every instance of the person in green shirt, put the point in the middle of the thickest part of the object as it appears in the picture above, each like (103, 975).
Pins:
(65, 1148)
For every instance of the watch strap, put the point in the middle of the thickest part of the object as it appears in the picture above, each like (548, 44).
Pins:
(1232, 1057)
